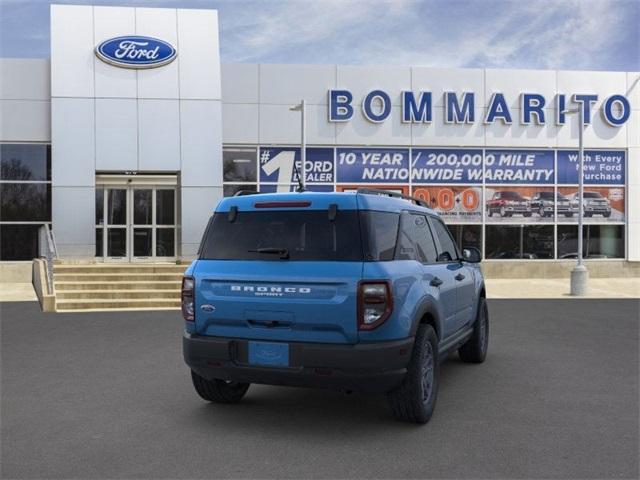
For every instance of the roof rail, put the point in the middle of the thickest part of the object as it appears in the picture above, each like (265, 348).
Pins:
(389, 193)
(242, 193)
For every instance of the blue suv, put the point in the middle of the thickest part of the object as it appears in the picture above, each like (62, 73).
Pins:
(363, 291)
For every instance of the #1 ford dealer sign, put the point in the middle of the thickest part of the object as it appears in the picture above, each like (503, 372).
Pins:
(136, 52)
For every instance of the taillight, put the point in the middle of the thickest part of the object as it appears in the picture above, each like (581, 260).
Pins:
(375, 303)
(188, 306)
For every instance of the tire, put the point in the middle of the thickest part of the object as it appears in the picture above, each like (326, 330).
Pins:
(606, 214)
(490, 212)
(474, 350)
(568, 215)
(415, 399)
(219, 391)
(527, 214)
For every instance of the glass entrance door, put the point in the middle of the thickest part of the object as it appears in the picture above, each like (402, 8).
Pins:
(136, 223)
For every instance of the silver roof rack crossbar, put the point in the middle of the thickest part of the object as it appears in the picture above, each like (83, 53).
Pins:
(389, 193)
(242, 193)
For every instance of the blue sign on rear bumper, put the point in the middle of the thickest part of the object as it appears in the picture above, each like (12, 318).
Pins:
(269, 354)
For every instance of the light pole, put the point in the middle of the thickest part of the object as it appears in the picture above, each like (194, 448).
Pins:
(580, 274)
(303, 142)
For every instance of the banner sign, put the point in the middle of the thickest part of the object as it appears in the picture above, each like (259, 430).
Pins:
(600, 167)
(277, 165)
(601, 204)
(372, 165)
(518, 166)
(453, 203)
(433, 165)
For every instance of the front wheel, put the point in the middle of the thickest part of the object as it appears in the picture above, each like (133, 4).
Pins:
(415, 399)
(474, 350)
(219, 391)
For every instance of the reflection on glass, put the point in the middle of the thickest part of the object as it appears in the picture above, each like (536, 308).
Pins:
(239, 164)
(116, 242)
(467, 235)
(25, 162)
(117, 207)
(142, 206)
(142, 242)
(25, 202)
(598, 241)
(165, 207)
(165, 242)
(528, 242)
(231, 190)
(99, 206)
(18, 242)
(99, 242)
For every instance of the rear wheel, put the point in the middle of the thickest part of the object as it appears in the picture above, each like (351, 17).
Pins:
(415, 399)
(474, 350)
(219, 391)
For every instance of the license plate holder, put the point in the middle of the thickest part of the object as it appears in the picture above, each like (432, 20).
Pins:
(269, 354)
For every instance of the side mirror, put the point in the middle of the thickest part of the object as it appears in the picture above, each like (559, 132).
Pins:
(471, 255)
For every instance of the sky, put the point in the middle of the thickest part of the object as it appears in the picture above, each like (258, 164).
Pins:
(534, 34)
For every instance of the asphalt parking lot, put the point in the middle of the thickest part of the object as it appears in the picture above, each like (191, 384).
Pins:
(106, 395)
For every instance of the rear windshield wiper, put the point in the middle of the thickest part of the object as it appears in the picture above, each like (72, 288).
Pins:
(283, 252)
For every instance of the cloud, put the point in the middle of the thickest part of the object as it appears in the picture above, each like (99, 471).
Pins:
(544, 34)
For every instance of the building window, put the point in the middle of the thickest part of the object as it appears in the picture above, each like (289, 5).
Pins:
(25, 198)
(598, 241)
(529, 242)
(239, 164)
(18, 242)
(25, 162)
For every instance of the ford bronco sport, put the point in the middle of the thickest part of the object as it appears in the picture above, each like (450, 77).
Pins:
(357, 291)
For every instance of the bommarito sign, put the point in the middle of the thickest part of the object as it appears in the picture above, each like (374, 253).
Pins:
(460, 108)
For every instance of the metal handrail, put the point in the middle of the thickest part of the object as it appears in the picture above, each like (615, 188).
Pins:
(50, 252)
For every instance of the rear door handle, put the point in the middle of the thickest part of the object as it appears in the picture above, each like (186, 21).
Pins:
(436, 282)
(459, 277)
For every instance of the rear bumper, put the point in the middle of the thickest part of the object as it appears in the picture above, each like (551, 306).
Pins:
(367, 367)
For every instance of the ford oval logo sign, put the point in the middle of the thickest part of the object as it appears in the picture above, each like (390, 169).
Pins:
(134, 51)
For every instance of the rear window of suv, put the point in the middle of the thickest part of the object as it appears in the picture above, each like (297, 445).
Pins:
(284, 234)
(301, 235)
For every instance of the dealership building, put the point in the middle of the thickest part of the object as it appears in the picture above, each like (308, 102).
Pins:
(125, 162)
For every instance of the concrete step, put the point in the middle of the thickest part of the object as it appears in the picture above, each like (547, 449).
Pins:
(124, 268)
(101, 304)
(116, 277)
(118, 285)
(172, 294)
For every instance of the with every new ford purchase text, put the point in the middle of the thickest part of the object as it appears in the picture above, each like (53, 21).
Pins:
(362, 291)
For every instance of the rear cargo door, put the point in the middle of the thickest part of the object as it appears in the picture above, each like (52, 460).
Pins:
(281, 301)
(280, 274)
